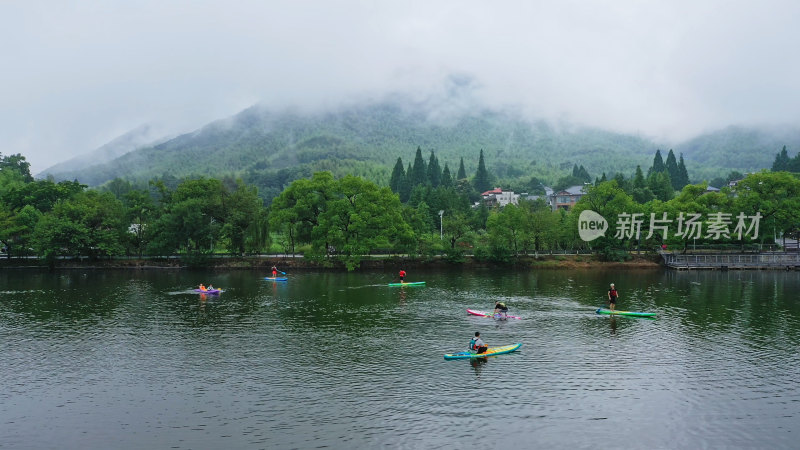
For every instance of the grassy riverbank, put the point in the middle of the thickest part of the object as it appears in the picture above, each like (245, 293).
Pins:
(371, 263)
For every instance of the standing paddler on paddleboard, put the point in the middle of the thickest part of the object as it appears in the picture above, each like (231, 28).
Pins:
(402, 275)
(612, 297)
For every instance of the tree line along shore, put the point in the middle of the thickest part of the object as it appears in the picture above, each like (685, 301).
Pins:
(426, 213)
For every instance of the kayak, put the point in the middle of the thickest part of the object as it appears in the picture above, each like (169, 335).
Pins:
(490, 352)
(475, 312)
(276, 278)
(208, 291)
(625, 313)
(409, 283)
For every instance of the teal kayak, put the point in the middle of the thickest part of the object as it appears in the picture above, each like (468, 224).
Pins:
(490, 352)
(625, 313)
(410, 283)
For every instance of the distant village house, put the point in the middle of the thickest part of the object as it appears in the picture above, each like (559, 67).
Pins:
(499, 197)
(564, 199)
(567, 198)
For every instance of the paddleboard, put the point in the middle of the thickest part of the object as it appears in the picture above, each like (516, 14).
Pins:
(625, 313)
(276, 278)
(410, 283)
(475, 312)
(492, 351)
(208, 291)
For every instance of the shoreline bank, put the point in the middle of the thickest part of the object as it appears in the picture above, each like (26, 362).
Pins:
(545, 262)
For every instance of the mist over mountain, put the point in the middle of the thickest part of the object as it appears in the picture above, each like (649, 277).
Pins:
(270, 148)
(141, 136)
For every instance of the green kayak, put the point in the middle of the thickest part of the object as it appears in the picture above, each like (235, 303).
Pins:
(414, 283)
(625, 313)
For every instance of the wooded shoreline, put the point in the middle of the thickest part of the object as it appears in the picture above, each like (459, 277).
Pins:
(371, 264)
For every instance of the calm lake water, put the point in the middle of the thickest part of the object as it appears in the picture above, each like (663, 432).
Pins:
(131, 360)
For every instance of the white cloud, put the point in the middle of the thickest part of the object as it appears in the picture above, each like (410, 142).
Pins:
(81, 73)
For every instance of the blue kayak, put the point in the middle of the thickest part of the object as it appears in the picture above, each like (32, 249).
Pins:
(490, 352)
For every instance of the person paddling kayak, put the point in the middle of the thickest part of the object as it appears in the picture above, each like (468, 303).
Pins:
(476, 344)
(612, 297)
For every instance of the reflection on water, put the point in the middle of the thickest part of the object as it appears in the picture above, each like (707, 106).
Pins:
(139, 360)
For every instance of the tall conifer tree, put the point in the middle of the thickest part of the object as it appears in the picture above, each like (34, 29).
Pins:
(482, 182)
(447, 180)
(398, 177)
(419, 174)
(434, 171)
(461, 172)
(672, 169)
(781, 161)
(658, 164)
(683, 174)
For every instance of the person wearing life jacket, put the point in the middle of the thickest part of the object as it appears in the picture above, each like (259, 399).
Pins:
(274, 272)
(476, 344)
(202, 288)
(612, 297)
(402, 275)
(500, 310)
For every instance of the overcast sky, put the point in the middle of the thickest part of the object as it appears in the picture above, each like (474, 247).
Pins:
(76, 74)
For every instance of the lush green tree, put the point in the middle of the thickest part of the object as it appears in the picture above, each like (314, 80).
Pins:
(660, 185)
(672, 169)
(243, 209)
(360, 217)
(545, 225)
(482, 182)
(617, 207)
(794, 164)
(774, 195)
(434, 171)
(297, 209)
(118, 187)
(641, 192)
(447, 179)
(89, 224)
(16, 229)
(16, 163)
(658, 164)
(193, 218)
(683, 174)
(582, 174)
(41, 194)
(462, 174)
(782, 161)
(686, 214)
(398, 177)
(140, 210)
(419, 173)
(510, 228)
(455, 226)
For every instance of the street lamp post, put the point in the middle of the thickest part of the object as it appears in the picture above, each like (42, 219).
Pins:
(441, 225)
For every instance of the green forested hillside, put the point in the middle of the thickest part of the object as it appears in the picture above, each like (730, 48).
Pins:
(270, 149)
(737, 148)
